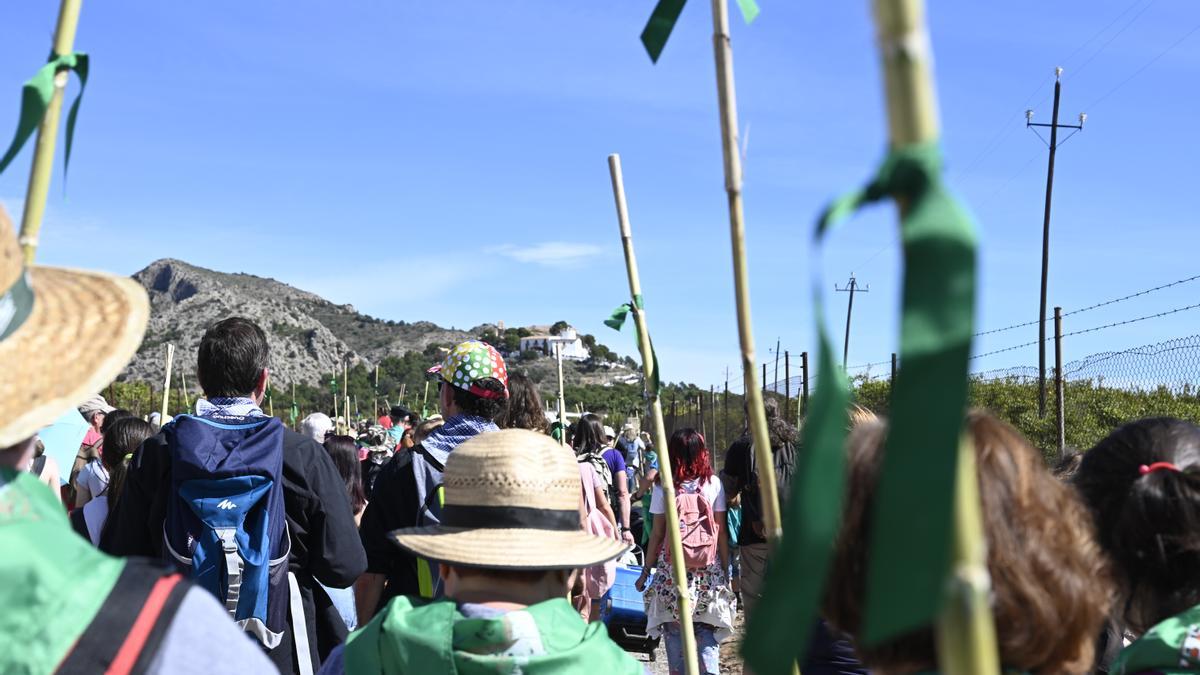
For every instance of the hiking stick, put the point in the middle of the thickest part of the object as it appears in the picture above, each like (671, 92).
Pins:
(660, 436)
(167, 383)
(47, 135)
(741, 274)
(966, 635)
(425, 401)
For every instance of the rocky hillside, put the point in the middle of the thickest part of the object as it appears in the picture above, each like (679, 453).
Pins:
(309, 335)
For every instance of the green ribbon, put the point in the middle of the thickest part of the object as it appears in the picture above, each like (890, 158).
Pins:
(910, 534)
(617, 320)
(666, 14)
(35, 99)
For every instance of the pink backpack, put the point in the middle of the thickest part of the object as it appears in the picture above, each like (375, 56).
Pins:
(597, 579)
(697, 529)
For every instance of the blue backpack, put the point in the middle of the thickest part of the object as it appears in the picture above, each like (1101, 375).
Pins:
(226, 526)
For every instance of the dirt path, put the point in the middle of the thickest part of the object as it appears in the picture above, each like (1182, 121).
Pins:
(731, 661)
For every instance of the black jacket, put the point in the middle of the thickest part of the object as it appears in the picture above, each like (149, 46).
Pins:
(392, 506)
(325, 542)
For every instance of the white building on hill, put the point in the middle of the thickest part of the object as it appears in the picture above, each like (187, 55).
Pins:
(572, 345)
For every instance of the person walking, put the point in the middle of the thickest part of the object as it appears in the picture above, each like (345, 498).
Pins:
(472, 391)
(700, 501)
(68, 607)
(320, 534)
(508, 545)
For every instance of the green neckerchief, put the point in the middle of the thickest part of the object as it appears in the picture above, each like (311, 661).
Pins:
(1170, 647)
(52, 581)
(415, 636)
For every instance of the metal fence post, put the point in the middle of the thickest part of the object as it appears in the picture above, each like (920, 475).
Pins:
(1058, 382)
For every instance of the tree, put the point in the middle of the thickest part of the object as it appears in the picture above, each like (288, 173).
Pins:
(559, 327)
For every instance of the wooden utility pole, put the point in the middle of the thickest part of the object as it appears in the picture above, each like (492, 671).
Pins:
(803, 407)
(852, 287)
(1053, 146)
(892, 381)
(787, 385)
(562, 404)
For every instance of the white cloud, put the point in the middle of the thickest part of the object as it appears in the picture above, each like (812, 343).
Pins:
(549, 254)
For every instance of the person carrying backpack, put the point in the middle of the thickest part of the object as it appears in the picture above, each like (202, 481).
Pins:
(472, 391)
(700, 501)
(741, 478)
(68, 608)
(251, 511)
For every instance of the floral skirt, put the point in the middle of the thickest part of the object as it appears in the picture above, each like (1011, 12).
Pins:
(708, 587)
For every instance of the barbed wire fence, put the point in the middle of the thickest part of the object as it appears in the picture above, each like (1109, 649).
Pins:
(1151, 378)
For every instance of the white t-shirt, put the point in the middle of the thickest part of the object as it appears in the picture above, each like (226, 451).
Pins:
(713, 492)
(94, 477)
(95, 512)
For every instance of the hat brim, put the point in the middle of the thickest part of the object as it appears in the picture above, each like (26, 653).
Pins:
(509, 548)
(81, 333)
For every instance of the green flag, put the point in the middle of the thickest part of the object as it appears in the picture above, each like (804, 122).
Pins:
(666, 13)
(35, 99)
(617, 321)
(910, 536)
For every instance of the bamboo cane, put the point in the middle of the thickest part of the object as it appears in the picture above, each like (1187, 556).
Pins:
(966, 634)
(741, 275)
(47, 136)
(425, 401)
(562, 401)
(660, 437)
(270, 403)
(346, 393)
(187, 402)
(167, 383)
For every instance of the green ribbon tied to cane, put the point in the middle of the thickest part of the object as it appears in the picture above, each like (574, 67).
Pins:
(912, 516)
(617, 320)
(35, 100)
(666, 13)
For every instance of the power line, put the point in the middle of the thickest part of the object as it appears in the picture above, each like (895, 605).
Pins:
(1139, 71)
(1114, 36)
(1100, 32)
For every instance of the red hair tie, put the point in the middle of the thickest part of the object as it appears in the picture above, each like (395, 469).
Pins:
(1150, 468)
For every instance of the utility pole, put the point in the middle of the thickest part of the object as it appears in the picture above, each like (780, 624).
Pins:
(1053, 145)
(775, 387)
(852, 287)
(787, 385)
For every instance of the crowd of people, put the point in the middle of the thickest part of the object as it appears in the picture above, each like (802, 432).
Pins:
(482, 539)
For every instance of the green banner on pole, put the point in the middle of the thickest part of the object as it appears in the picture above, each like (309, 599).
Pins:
(912, 517)
(35, 99)
(666, 14)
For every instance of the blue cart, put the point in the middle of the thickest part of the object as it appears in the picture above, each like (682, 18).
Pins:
(624, 612)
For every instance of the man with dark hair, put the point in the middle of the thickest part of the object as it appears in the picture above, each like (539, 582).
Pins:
(232, 365)
(401, 420)
(472, 391)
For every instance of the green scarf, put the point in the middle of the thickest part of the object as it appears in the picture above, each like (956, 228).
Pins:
(415, 636)
(52, 581)
(1170, 648)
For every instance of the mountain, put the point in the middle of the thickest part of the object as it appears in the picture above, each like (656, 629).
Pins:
(310, 337)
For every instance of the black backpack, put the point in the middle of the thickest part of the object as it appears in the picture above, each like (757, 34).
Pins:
(785, 466)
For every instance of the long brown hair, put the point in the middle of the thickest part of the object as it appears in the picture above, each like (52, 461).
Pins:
(1051, 589)
(524, 409)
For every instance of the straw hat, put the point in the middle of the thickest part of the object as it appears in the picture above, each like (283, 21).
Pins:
(64, 334)
(512, 502)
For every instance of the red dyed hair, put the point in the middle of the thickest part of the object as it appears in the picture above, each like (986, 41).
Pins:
(689, 456)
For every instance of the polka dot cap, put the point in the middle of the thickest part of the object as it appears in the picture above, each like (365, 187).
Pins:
(470, 362)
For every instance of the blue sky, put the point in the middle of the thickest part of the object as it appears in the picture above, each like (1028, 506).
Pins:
(446, 161)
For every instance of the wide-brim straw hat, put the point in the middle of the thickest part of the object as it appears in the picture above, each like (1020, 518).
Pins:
(511, 502)
(64, 335)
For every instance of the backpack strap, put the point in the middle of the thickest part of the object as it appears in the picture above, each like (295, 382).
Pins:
(125, 634)
(299, 627)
